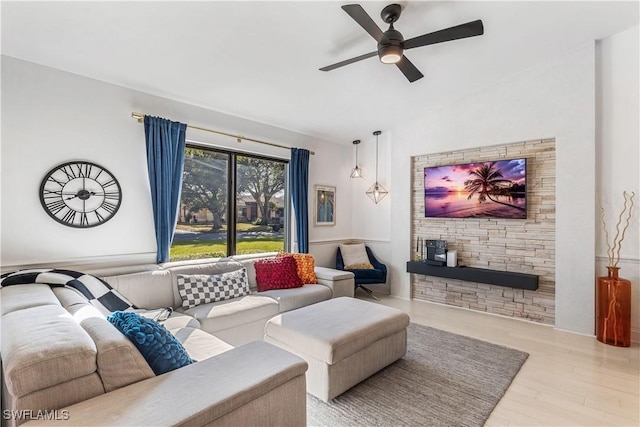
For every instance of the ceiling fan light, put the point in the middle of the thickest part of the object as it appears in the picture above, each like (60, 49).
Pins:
(390, 54)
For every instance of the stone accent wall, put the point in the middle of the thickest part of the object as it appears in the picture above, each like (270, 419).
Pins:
(525, 246)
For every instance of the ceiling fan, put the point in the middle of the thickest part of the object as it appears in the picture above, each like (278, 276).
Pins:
(391, 44)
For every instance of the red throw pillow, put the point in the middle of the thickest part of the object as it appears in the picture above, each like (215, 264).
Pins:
(277, 273)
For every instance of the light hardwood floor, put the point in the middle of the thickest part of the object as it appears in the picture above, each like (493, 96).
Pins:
(568, 379)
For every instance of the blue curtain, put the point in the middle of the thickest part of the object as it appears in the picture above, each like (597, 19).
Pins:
(165, 161)
(299, 181)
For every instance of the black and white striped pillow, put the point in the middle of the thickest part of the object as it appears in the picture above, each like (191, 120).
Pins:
(196, 289)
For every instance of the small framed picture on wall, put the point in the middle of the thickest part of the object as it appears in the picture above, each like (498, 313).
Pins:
(325, 206)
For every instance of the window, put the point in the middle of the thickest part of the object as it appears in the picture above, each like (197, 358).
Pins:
(231, 203)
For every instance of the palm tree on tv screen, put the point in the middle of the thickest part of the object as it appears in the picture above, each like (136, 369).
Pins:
(488, 182)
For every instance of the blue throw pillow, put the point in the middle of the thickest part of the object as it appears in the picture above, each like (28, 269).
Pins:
(162, 351)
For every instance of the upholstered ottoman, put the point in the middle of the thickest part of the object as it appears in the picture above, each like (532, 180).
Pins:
(344, 340)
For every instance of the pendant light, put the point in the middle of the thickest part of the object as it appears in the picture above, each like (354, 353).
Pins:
(356, 172)
(377, 192)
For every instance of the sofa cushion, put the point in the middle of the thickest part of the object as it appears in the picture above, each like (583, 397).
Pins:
(277, 273)
(221, 315)
(305, 266)
(290, 299)
(58, 396)
(69, 297)
(162, 351)
(19, 297)
(147, 289)
(249, 264)
(119, 361)
(196, 289)
(199, 344)
(195, 267)
(176, 319)
(44, 346)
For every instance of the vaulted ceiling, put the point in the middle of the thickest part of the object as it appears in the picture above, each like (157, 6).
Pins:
(260, 60)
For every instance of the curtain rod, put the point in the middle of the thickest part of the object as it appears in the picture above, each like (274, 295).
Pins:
(140, 118)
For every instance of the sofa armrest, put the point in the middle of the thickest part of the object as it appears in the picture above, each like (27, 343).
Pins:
(220, 389)
(340, 282)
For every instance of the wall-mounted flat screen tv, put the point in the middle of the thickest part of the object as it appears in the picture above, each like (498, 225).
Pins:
(494, 189)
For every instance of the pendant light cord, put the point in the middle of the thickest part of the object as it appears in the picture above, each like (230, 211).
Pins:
(376, 159)
(377, 133)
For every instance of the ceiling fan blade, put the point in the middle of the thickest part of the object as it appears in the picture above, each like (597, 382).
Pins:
(349, 61)
(361, 17)
(470, 29)
(408, 69)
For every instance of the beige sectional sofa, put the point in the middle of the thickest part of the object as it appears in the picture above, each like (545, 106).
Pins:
(62, 359)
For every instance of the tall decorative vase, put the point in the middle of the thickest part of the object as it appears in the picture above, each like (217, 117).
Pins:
(613, 309)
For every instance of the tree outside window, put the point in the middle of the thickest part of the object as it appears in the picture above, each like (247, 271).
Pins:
(203, 228)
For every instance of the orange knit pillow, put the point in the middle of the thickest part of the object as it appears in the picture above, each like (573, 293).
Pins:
(306, 266)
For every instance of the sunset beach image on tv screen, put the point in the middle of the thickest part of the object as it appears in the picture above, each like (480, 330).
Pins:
(494, 189)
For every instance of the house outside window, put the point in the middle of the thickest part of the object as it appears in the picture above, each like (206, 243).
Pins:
(231, 203)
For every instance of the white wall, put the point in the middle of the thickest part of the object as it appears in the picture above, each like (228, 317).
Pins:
(554, 99)
(618, 154)
(50, 116)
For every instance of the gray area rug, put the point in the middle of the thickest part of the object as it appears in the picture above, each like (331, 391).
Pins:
(445, 379)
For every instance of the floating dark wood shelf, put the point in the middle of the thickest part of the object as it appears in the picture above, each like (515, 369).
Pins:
(478, 275)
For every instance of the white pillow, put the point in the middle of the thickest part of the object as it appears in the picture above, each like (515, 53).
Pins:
(353, 254)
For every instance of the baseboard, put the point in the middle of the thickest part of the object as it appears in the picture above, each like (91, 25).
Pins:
(400, 298)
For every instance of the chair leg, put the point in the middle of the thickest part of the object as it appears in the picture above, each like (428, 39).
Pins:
(370, 292)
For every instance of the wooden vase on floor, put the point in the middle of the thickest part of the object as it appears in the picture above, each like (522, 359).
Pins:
(613, 309)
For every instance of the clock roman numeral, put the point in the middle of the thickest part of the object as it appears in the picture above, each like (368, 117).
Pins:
(52, 179)
(69, 216)
(52, 194)
(68, 170)
(109, 207)
(56, 206)
(84, 170)
(113, 195)
(84, 219)
(99, 217)
(109, 183)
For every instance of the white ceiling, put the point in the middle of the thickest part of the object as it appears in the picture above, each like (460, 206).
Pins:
(260, 60)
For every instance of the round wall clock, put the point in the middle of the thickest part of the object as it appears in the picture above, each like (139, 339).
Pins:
(80, 194)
